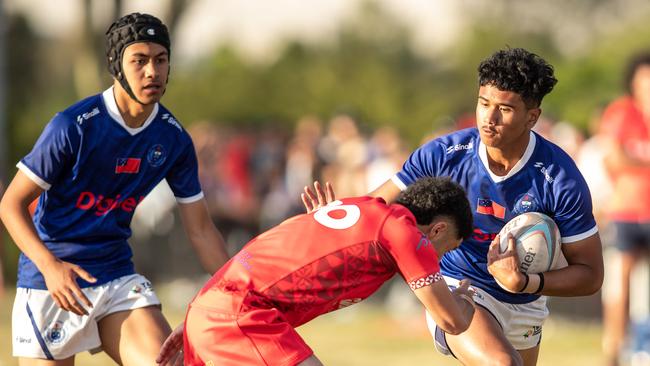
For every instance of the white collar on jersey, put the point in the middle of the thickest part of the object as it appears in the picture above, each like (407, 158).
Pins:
(111, 106)
(482, 153)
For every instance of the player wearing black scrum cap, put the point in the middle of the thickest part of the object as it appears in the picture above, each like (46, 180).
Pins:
(92, 165)
(137, 28)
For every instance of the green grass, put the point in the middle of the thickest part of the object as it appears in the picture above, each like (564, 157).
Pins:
(365, 335)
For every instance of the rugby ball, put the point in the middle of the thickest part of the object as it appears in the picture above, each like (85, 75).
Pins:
(537, 240)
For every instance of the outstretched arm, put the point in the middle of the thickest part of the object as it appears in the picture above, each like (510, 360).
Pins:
(388, 191)
(204, 236)
(318, 197)
(451, 311)
(60, 277)
(171, 352)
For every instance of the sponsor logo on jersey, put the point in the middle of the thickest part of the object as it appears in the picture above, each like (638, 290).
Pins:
(56, 333)
(525, 204)
(459, 147)
(423, 243)
(544, 171)
(486, 206)
(88, 201)
(156, 155)
(127, 166)
(172, 121)
(480, 235)
(86, 116)
(243, 258)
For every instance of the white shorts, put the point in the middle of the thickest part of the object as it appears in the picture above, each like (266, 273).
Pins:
(521, 323)
(41, 329)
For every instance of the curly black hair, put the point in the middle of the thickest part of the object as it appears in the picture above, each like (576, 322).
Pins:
(635, 62)
(429, 198)
(520, 71)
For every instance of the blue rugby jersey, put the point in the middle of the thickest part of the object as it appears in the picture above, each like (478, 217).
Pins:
(95, 170)
(544, 180)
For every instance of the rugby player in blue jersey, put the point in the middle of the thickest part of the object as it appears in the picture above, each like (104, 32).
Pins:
(506, 169)
(94, 162)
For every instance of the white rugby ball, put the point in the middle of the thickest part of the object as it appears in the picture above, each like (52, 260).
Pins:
(537, 240)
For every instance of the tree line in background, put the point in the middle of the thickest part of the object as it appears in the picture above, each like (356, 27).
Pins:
(370, 72)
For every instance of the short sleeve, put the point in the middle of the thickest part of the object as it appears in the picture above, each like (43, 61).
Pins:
(421, 163)
(183, 178)
(413, 253)
(53, 152)
(573, 212)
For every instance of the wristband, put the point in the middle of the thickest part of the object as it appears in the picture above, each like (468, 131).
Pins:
(532, 285)
(541, 284)
(525, 283)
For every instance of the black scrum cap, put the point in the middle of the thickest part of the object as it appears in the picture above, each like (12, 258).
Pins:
(129, 29)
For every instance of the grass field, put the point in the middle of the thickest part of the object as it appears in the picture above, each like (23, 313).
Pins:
(365, 335)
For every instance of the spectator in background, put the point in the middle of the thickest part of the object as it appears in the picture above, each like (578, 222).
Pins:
(590, 158)
(386, 153)
(567, 137)
(303, 163)
(345, 151)
(626, 127)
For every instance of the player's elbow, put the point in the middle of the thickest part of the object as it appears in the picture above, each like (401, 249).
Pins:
(455, 326)
(595, 284)
(4, 209)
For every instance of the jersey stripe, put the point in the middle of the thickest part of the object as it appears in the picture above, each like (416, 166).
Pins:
(31, 175)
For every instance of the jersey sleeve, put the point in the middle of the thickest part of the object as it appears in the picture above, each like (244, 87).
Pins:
(183, 178)
(574, 213)
(413, 253)
(53, 152)
(421, 163)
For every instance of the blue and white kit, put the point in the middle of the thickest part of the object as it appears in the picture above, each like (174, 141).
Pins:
(94, 170)
(544, 180)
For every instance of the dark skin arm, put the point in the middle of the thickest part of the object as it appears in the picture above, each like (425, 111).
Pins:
(583, 276)
(60, 277)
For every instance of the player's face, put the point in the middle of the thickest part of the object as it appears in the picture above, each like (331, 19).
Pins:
(502, 117)
(146, 66)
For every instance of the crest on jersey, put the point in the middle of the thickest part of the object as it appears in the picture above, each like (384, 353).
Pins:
(156, 155)
(56, 333)
(526, 203)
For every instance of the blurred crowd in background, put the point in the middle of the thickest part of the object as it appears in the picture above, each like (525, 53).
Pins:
(397, 85)
(253, 179)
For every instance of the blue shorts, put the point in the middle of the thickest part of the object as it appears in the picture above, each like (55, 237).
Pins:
(631, 235)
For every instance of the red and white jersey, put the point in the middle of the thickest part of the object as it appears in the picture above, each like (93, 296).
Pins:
(624, 122)
(315, 263)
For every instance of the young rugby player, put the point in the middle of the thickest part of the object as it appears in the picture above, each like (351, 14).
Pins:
(94, 162)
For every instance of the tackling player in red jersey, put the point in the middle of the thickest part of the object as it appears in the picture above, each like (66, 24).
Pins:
(316, 263)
